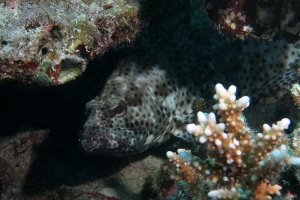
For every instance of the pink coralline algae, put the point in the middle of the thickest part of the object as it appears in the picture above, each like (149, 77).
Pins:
(36, 37)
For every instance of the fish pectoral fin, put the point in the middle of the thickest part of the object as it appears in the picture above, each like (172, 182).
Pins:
(183, 135)
(180, 123)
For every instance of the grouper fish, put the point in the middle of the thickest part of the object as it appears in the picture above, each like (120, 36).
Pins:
(149, 98)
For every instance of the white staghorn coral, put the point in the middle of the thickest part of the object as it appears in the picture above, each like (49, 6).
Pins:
(244, 159)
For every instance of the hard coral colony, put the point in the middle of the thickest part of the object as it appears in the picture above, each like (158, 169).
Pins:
(244, 160)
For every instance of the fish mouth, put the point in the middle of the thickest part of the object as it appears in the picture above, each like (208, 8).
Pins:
(118, 142)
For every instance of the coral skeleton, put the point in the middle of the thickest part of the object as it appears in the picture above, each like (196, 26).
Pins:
(243, 161)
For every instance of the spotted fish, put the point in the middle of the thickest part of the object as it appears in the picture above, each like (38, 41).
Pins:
(146, 100)
(137, 109)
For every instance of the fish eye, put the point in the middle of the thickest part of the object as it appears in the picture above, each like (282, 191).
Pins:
(117, 107)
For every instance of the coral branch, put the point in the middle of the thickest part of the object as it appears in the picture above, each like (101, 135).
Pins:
(244, 160)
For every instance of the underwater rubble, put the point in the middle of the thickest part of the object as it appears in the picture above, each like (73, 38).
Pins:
(24, 174)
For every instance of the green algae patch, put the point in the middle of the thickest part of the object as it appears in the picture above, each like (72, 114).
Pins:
(83, 31)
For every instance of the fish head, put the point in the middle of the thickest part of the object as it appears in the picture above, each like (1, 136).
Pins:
(127, 117)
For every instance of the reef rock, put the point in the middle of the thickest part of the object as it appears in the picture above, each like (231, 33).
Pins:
(49, 42)
(261, 19)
